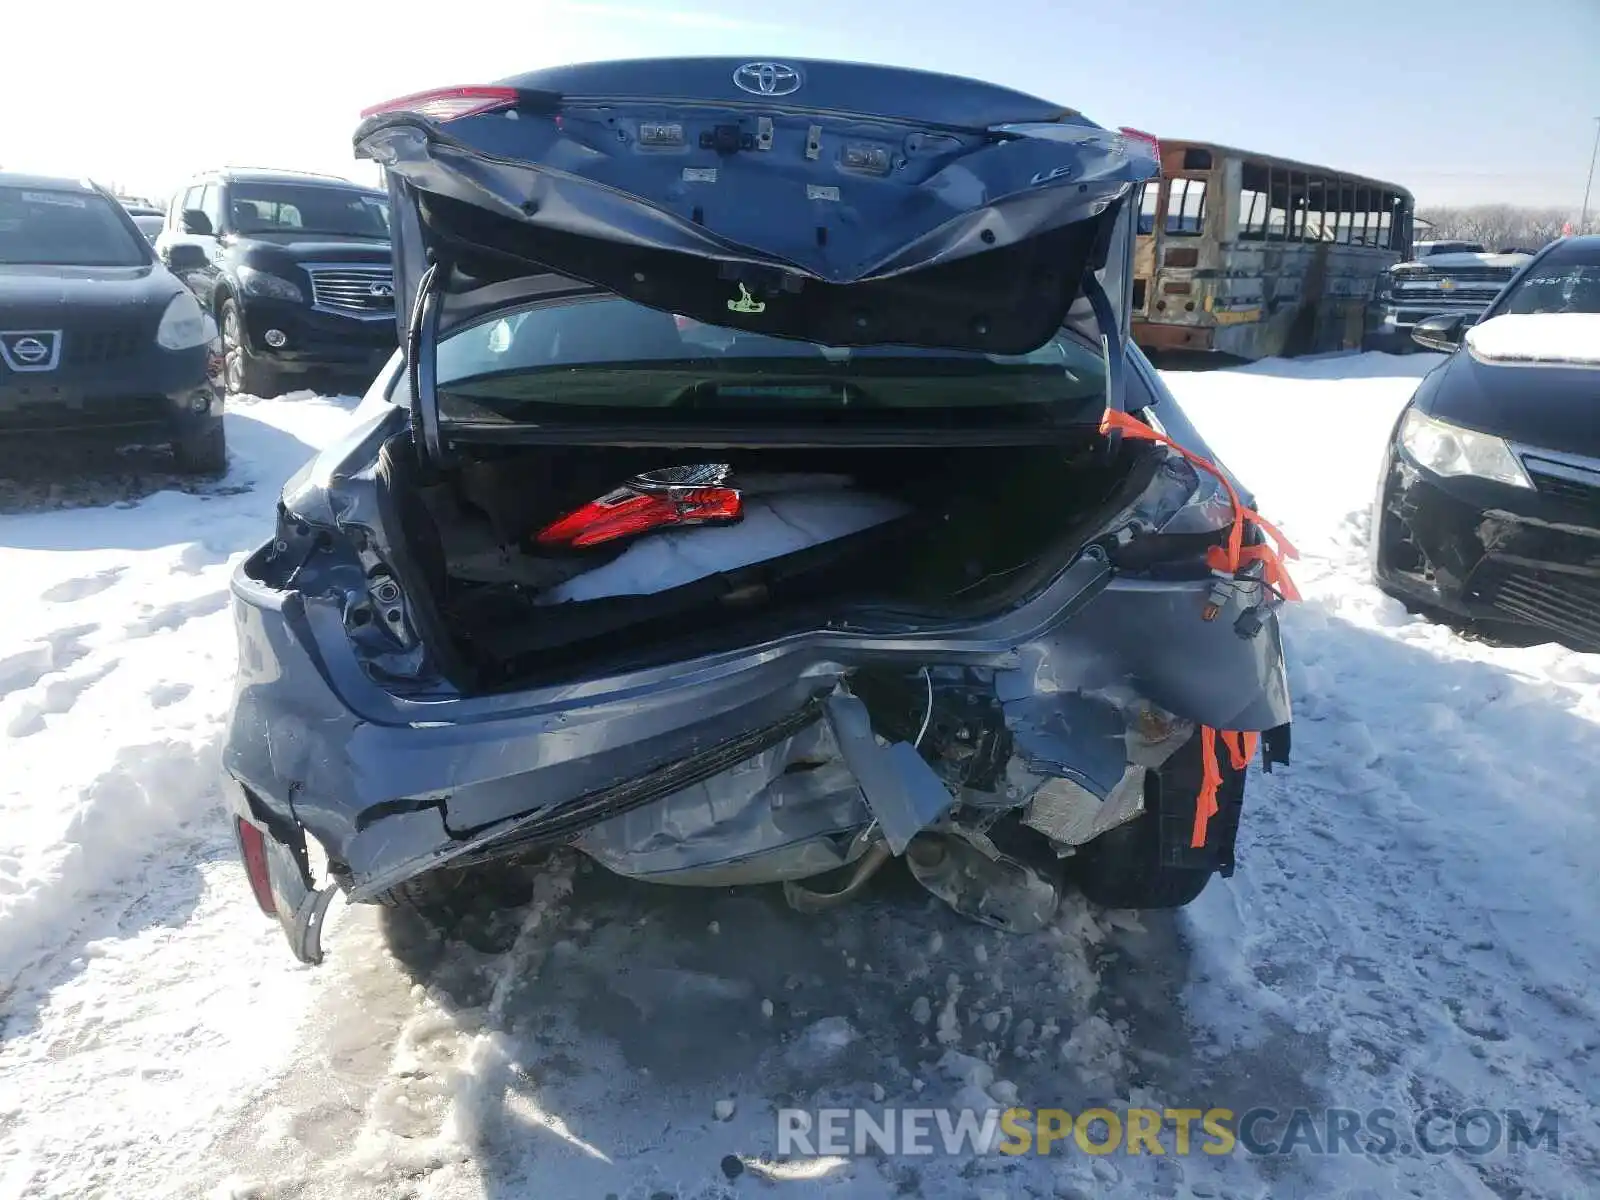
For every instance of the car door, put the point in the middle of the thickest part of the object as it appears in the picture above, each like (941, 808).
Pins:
(212, 205)
(178, 232)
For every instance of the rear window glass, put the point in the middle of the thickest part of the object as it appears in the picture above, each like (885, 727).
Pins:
(305, 208)
(612, 352)
(58, 228)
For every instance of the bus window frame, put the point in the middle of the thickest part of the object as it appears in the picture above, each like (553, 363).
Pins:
(1317, 217)
(1188, 181)
(1253, 223)
(1158, 189)
(1297, 198)
(1360, 218)
(1274, 175)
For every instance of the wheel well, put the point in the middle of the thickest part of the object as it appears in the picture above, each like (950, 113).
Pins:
(220, 296)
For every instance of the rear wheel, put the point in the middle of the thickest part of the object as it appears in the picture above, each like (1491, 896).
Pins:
(1388, 343)
(1128, 867)
(436, 895)
(204, 453)
(242, 372)
(449, 896)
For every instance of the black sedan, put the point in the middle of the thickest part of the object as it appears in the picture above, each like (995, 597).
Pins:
(95, 334)
(1488, 505)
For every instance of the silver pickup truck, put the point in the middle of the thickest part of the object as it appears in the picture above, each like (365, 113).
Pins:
(1441, 277)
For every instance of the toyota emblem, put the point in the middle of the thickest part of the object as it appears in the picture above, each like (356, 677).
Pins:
(767, 79)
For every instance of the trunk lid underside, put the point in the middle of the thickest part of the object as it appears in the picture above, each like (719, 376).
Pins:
(786, 215)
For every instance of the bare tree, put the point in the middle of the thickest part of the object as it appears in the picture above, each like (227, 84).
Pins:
(1499, 226)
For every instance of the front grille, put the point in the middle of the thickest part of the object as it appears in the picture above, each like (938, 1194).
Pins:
(1572, 492)
(1566, 604)
(1495, 275)
(351, 289)
(96, 347)
(1467, 292)
(1477, 284)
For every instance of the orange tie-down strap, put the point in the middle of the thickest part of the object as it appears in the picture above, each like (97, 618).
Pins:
(1241, 749)
(1235, 555)
(1231, 558)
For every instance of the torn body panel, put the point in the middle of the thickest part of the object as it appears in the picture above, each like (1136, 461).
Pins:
(394, 784)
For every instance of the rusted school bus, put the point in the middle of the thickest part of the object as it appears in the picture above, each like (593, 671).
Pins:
(1253, 255)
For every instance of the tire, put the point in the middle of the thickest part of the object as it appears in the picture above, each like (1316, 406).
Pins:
(1125, 867)
(435, 895)
(242, 372)
(205, 453)
(1387, 343)
(450, 894)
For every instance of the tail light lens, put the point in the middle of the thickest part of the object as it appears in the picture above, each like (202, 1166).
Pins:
(656, 500)
(1148, 139)
(253, 849)
(447, 104)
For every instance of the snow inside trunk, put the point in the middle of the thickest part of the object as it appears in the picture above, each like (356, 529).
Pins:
(935, 531)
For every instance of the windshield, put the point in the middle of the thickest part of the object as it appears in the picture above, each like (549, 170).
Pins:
(306, 208)
(1567, 280)
(40, 226)
(611, 354)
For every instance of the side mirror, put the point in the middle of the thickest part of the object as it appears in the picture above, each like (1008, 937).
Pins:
(1438, 333)
(197, 223)
(186, 257)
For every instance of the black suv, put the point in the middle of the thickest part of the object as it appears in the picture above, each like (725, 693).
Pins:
(297, 272)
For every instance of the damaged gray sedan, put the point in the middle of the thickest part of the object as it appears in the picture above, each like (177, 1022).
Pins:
(767, 489)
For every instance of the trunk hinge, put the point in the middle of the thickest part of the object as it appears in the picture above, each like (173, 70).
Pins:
(422, 359)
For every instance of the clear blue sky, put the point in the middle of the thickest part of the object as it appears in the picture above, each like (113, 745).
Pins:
(1460, 100)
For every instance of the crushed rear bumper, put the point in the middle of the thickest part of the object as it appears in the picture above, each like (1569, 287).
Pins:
(391, 788)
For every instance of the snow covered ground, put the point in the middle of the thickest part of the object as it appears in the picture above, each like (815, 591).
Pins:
(1412, 924)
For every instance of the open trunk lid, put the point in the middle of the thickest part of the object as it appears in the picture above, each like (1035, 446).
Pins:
(837, 204)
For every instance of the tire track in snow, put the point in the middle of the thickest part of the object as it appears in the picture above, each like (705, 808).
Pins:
(580, 1046)
(57, 696)
(145, 798)
(82, 587)
(142, 995)
(55, 652)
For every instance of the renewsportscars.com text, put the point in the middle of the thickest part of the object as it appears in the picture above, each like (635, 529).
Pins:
(1476, 1132)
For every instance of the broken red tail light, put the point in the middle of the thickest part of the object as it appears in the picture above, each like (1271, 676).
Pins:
(684, 495)
(253, 849)
(1140, 135)
(628, 512)
(447, 104)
